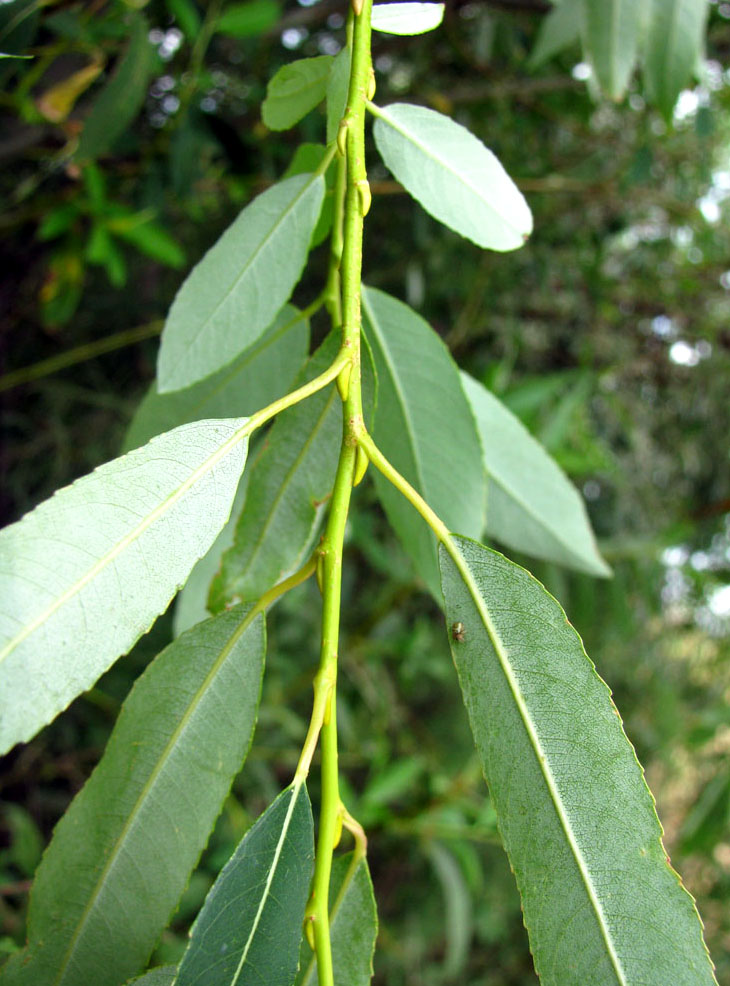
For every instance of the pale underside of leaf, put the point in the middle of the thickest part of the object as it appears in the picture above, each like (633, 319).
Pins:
(407, 18)
(233, 294)
(559, 30)
(574, 811)
(452, 175)
(611, 36)
(121, 541)
(673, 46)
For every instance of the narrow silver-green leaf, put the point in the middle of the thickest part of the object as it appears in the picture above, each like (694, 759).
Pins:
(233, 294)
(611, 31)
(531, 504)
(407, 18)
(425, 427)
(259, 376)
(673, 45)
(162, 976)
(295, 90)
(353, 926)
(453, 176)
(118, 543)
(600, 902)
(250, 928)
(122, 854)
(559, 29)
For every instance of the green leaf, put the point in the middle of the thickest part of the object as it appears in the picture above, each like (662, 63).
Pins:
(337, 91)
(235, 291)
(120, 541)
(307, 158)
(558, 30)
(295, 90)
(600, 902)
(110, 878)
(245, 20)
(259, 376)
(289, 487)
(161, 976)
(531, 504)
(152, 240)
(407, 18)
(611, 34)
(353, 926)
(250, 928)
(673, 45)
(458, 910)
(453, 175)
(120, 100)
(425, 427)
(186, 14)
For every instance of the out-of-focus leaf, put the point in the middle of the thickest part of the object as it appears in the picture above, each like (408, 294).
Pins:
(56, 103)
(458, 909)
(559, 29)
(61, 289)
(250, 928)
(233, 294)
(575, 814)
(673, 46)
(407, 18)
(611, 33)
(186, 14)
(122, 541)
(151, 239)
(245, 20)
(123, 852)
(295, 90)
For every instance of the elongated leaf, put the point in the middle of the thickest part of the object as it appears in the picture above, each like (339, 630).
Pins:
(246, 20)
(407, 18)
(120, 100)
(425, 427)
(86, 573)
(611, 32)
(337, 91)
(673, 46)
(559, 29)
(289, 485)
(259, 376)
(295, 90)
(453, 175)
(353, 926)
(250, 928)
(235, 291)
(531, 504)
(161, 976)
(110, 878)
(600, 902)
(458, 910)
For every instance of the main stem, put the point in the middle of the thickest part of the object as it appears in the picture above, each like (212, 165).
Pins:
(356, 203)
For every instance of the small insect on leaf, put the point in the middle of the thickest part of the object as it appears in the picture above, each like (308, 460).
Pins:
(458, 632)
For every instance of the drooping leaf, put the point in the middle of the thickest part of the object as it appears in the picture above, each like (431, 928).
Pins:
(250, 928)
(600, 902)
(458, 910)
(295, 90)
(353, 926)
(611, 37)
(407, 18)
(122, 854)
(235, 291)
(673, 45)
(120, 100)
(161, 976)
(259, 376)
(289, 486)
(559, 30)
(453, 176)
(337, 91)
(425, 427)
(118, 543)
(245, 20)
(531, 504)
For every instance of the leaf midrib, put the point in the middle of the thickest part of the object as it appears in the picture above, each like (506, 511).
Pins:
(167, 504)
(540, 755)
(148, 787)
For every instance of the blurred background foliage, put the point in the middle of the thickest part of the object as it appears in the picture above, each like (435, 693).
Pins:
(129, 141)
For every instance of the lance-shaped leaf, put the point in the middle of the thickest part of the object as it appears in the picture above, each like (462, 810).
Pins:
(259, 376)
(337, 91)
(85, 574)
(673, 45)
(250, 928)
(531, 504)
(122, 854)
(120, 100)
(233, 294)
(295, 90)
(163, 975)
(611, 31)
(601, 903)
(407, 18)
(453, 175)
(425, 427)
(558, 30)
(353, 926)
